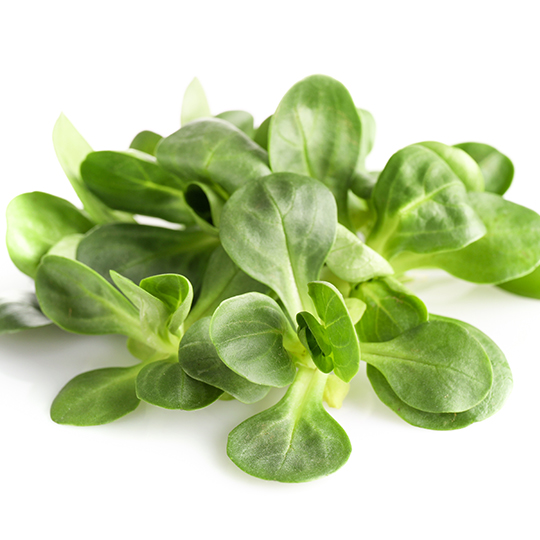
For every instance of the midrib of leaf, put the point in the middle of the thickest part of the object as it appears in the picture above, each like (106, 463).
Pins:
(305, 153)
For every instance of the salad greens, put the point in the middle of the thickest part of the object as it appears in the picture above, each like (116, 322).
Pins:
(280, 266)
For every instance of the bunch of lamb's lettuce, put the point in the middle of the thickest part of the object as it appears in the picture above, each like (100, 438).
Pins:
(262, 280)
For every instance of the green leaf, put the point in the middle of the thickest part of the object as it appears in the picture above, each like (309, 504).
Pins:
(199, 359)
(313, 337)
(240, 119)
(296, 440)
(20, 312)
(351, 260)
(338, 328)
(135, 183)
(167, 385)
(335, 391)
(501, 388)
(391, 310)
(279, 230)
(175, 292)
(497, 169)
(96, 397)
(222, 279)
(435, 367)
(146, 141)
(367, 139)
(79, 300)
(139, 251)
(528, 285)
(195, 104)
(421, 206)
(71, 150)
(35, 223)
(261, 133)
(509, 249)
(463, 166)
(248, 333)
(214, 152)
(205, 205)
(316, 132)
(67, 247)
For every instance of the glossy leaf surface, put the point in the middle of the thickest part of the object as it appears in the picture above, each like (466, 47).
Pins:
(316, 132)
(35, 223)
(137, 184)
(214, 152)
(435, 367)
(96, 397)
(296, 440)
(279, 230)
(497, 169)
(200, 360)
(248, 333)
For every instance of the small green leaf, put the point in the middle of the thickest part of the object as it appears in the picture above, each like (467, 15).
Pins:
(279, 230)
(71, 150)
(146, 141)
(240, 119)
(296, 440)
(167, 385)
(200, 360)
(205, 205)
(79, 300)
(335, 391)
(67, 247)
(313, 336)
(497, 169)
(351, 260)
(35, 223)
(261, 133)
(214, 152)
(96, 397)
(20, 312)
(195, 104)
(528, 285)
(248, 333)
(338, 328)
(316, 132)
(435, 367)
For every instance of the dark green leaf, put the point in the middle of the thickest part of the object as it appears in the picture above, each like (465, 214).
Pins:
(313, 337)
(248, 333)
(279, 230)
(199, 359)
(497, 169)
(96, 397)
(205, 205)
(20, 312)
(146, 141)
(293, 441)
(316, 132)
(35, 223)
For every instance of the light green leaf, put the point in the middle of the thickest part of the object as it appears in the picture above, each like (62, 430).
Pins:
(35, 223)
(146, 141)
(261, 133)
(96, 397)
(296, 440)
(67, 247)
(528, 285)
(279, 230)
(195, 104)
(316, 132)
(351, 260)
(200, 360)
(240, 119)
(248, 333)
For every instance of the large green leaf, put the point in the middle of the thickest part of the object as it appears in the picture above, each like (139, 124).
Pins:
(134, 182)
(199, 359)
(20, 312)
(194, 104)
(215, 152)
(279, 230)
(316, 132)
(497, 169)
(435, 367)
(139, 251)
(35, 223)
(167, 385)
(421, 206)
(79, 300)
(248, 333)
(351, 260)
(391, 310)
(293, 441)
(71, 150)
(96, 397)
(509, 249)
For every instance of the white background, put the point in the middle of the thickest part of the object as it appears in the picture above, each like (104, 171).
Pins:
(446, 71)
